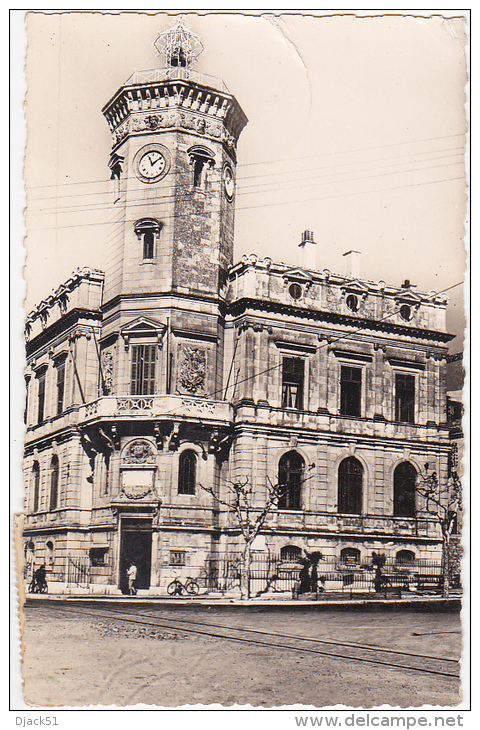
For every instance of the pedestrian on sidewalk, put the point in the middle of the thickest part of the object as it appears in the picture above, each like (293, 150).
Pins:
(132, 577)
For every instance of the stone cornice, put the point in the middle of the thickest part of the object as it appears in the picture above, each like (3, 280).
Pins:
(316, 435)
(172, 295)
(240, 306)
(57, 296)
(61, 326)
(63, 434)
(155, 102)
(346, 283)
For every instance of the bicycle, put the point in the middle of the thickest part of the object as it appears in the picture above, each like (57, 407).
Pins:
(177, 588)
(37, 586)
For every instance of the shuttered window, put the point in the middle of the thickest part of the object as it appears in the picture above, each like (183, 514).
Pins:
(54, 483)
(60, 387)
(143, 370)
(36, 486)
(41, 397)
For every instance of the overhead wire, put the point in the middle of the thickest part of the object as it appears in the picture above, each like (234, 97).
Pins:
(287, 160)
(247, 190)
(344, 336)
(264, 205)
(241, 178)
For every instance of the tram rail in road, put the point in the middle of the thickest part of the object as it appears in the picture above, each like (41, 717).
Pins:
(392, 658)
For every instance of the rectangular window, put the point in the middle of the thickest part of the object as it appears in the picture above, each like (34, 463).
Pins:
(41, 397)
(60, 387)
(177, 557)
(350, 391)
(148, 245)
(292, 382)
(36, 486)
(405, 398)
(98, 556)
(27, 393)
(143, 370)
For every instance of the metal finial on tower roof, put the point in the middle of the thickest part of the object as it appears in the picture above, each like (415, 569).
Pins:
(179, 45)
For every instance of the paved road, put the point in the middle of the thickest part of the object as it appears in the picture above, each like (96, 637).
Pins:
(75, 660)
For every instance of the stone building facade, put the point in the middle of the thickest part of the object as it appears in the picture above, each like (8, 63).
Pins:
(178, 368)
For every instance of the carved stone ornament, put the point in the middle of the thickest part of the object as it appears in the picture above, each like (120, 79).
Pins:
(192, 369)
(107, 371)
(136, 492)
(139, 452)
(147, 122)
(200, 125)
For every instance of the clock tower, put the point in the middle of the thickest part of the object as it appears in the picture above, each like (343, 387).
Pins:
(174, 136)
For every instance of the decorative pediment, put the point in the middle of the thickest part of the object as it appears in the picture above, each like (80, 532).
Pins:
(143, 225)
(199, 151)
(142, 327)
(298, 282)
(298, 275)
(407, 296)
(356, 287)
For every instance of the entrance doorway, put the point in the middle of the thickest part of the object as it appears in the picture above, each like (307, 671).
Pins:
(136, 548)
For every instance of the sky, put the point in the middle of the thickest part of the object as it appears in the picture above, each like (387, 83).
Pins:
(356, 132)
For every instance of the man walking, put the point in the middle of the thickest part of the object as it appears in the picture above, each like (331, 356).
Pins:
(132, 577)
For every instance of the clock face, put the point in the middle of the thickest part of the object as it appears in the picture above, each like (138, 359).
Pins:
(151, 163)
(228, 181)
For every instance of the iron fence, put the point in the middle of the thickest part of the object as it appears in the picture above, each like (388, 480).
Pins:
(273, 573)
(78, 571)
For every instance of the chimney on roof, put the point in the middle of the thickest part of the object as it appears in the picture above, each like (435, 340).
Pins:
(309, 253)
(352, 264)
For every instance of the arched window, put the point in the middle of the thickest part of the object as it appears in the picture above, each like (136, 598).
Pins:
(404, 480)
(148, 230)
(54, 471)
(350, 556)
(187, 472)
(350, 486)
(201, 159)
(405, 557)
(290, 477)
(50, 552)
(292, 553)
(36, 485)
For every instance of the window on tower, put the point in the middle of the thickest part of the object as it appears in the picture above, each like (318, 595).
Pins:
(148, 245)
(147, 231)
(198, 166)
(201, 159)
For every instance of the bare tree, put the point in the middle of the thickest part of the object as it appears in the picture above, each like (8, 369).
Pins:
(443, 501)
(249, 518)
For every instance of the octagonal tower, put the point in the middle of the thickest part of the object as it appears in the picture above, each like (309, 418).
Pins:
(174, 136)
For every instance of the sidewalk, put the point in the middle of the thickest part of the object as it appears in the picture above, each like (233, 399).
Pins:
(416, 602)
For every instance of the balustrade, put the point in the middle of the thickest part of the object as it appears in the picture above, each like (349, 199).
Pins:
(157, 406)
